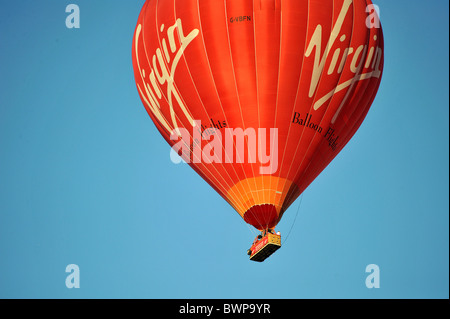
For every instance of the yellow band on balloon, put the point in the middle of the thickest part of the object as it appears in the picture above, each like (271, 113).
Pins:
(264, 189)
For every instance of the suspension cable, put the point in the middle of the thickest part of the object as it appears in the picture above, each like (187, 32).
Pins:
(296, 214)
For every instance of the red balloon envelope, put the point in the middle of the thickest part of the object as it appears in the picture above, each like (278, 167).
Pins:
(258, 96)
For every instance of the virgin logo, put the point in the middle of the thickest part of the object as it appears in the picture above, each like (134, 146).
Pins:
(362, 70)
(162, 73)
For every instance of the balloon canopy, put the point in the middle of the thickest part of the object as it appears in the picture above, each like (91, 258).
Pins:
(258, 96)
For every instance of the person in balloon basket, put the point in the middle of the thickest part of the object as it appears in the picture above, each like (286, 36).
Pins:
(260, 236)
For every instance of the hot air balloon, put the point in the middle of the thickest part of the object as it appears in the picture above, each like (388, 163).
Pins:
(258, 96)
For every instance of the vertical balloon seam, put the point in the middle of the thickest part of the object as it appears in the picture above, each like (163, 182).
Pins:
(281, 212)
(266, 205)
(295, 179)
(294, 103)
(220, 102)
(294, 107)
(257, 104)
(265, 209)
(296, 98)
(260, 200)
(257, 91)
(278, 174)
(291, 191)
(239, 99)
(238, 159)
(216, 90)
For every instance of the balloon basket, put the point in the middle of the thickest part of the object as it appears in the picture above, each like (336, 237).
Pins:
(265, 247)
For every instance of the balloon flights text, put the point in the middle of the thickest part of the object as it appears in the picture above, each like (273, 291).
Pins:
(237, 145)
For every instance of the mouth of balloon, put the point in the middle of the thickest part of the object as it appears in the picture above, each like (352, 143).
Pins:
(262, 216)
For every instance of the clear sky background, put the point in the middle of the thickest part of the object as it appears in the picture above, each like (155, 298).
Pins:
(86, 179)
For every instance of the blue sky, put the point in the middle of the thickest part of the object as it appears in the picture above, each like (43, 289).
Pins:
(86, 178)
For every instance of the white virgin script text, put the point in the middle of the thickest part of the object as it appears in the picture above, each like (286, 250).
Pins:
(372, 62)
(162, 71)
